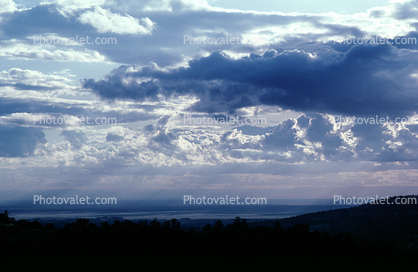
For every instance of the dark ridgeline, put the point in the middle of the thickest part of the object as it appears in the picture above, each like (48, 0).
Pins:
(390, 223)
(130, 246)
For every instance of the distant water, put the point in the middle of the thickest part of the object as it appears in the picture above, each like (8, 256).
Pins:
(136, 211)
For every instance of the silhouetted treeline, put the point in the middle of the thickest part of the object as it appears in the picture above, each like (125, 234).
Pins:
(391, 223)
(136, 246)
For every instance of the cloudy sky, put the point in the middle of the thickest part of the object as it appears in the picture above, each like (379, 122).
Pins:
(160, 98)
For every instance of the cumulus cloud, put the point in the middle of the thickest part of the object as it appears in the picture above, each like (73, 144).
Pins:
(17, 141)
(76, 139)
(282, 136)
(111, 137)
(300, 74)
(7, 6)
(79, 4)
(30, 52)
(107, 22)
(33, 79)
(349, 82)
(164, 5)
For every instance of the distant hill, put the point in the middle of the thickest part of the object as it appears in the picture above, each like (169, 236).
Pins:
(160, 246)
(389, 222)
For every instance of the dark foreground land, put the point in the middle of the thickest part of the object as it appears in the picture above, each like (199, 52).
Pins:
(279, 245)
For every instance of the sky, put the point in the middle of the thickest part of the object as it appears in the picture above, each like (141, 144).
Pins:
(158, 99)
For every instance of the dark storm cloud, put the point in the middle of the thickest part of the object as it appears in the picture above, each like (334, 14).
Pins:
(282, 137)
(114, 88)
(406, 151)
(16, 141)
(409, 41)
(320, 130)
(377, 143)
(365, 80)
(303, 121)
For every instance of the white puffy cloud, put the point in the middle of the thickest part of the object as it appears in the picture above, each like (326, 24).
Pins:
(161, 5)
(7, 6)
(80, 4)
(107, 22)
(34, 78)
(152, 147)
(28, 52)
